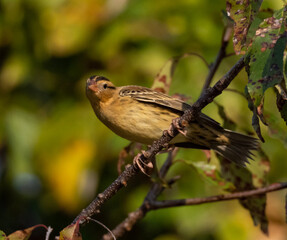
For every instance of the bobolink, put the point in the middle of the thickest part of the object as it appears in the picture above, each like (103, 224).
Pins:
(140, 114)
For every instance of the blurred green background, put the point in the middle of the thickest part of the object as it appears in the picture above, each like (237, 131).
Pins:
(55, 155)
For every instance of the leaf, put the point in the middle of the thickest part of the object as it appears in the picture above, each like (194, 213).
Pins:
(242, 179)
(22, 234)
(275, 128)
(263, 168)
(265, 57)
(71, 232)
(210, 173)
(282, 102)
(227, 122)
(286, 207)
(243, 13)
(163, 79)
(2, 235)
(255, 119)
(256, 206)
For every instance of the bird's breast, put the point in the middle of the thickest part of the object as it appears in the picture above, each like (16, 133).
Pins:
(134, 120)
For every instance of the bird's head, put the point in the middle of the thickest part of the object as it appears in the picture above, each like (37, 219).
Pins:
(99, 89)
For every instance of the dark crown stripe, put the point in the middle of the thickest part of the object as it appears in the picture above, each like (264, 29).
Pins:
(98, 78)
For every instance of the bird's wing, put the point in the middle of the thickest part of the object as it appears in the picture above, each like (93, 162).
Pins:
(143, 94)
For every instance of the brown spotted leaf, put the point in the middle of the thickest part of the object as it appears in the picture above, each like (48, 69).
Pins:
(261, 169)
(21, 234)
(163, 79)
(242, 12)
(71, 232)
(265, 56)
(242, 179)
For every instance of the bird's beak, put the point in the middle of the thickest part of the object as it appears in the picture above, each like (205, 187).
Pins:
(91, 84)
(93, 88)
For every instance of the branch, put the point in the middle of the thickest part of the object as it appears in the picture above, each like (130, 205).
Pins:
(221, 54)
(188, 116)
(151, 196)
(218, 198)
(138, 214)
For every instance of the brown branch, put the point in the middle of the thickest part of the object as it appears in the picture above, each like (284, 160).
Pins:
(147, 206)
(238, 195)
(152, 195)
(188, 116)
(220, 56)
(127, 224)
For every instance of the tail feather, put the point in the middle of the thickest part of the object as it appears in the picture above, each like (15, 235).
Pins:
(239, 148)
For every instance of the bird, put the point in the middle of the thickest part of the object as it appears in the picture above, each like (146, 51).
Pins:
(140, 114)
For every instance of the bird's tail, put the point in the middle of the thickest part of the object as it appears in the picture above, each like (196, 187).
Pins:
(238, 148)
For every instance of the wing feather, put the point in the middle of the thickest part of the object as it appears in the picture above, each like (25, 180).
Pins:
(147, 95)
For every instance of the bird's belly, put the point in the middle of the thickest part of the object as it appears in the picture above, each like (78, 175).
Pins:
(143, 124)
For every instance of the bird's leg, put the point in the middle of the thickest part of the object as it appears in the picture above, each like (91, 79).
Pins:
(144, 167)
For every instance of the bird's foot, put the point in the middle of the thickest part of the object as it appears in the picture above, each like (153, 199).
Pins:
(145, 168)
(180, 126)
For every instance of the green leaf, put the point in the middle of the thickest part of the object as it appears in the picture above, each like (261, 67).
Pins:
(71, 232)
(243, 13)
(242, 179)
(260, 169)
(282, 102)
(285, 67)
(276, 130)
(256, 206)
(265, 56)
(209, 173)
(227, 122)
(2, 235)
(255, 119)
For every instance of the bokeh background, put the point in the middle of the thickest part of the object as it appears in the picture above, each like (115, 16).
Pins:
(55, 155)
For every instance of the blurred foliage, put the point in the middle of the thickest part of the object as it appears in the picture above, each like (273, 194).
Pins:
(55, 155)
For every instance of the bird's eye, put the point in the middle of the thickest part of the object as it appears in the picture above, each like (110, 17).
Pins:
(105, 86)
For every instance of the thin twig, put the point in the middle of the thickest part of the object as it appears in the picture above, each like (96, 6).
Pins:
(152, 204)
(197, 55)
(104, 226)
(220, 56)
(189, 115)
(153, 193)
(238, 195)
(127, 224)
(165, 167)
